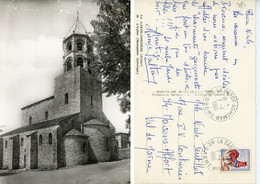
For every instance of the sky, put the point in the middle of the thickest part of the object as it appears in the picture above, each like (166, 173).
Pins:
(31, 34)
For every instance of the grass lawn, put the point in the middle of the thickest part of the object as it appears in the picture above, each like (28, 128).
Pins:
(106, 172)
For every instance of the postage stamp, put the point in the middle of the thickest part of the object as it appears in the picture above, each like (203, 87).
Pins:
(235, 160)
(220, 104)
(211, 153)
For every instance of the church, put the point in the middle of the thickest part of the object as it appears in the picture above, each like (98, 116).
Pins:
(68, 128)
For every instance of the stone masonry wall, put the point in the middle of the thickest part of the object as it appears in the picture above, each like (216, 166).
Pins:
(76, 150)
(99, 143)
(16, 152)
(90, 89)
(37, 112)
(47, 153)
(25, 150)
(69, 83)
(7, 152)
(124, 153)
(65, 126)
(34, 151)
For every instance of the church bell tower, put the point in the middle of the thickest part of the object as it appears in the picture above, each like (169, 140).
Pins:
(78, 48)
(79, 88)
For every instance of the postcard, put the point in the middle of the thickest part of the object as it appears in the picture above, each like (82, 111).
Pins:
(194, 81)
(65, 104)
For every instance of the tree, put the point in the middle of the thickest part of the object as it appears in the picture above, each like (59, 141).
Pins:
(112, 42)
(1, 128)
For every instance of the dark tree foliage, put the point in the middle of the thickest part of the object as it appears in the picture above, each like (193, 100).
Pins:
(112, 42)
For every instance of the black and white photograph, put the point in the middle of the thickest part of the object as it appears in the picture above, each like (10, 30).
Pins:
(65, 91)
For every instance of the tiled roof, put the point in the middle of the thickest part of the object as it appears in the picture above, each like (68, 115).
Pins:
(46, 99)
(75, 132)
(94, 122)
(77, 28)
(36, 126)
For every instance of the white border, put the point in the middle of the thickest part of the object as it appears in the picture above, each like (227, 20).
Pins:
(257, 90)
(132, 54)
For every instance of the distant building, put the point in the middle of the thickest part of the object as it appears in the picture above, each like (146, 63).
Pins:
(70, 127)
(123, 140)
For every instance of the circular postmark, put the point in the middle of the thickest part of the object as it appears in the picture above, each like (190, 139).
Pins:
(220, 104)
(211, 154)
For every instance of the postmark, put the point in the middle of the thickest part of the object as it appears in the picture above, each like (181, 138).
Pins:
(211, 153)
(235, 160)
(220, 104)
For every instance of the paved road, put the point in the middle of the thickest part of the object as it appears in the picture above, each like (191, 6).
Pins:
(102, 173)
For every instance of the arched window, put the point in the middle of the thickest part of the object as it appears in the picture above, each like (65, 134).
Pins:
(21, 141)
(46, 115)
(80, 62)
(5, 144)
(40, 139)
(69, 65)
(69, 47)
(66, 98)
(50, 138)
(79, 46)
(30, 120)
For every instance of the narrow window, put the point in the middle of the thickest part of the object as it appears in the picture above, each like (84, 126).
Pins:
(79, 46)
(46, 115)
(40, 139)
(50, 138)
(21, 141)
(30, 120)
(107, 144)
(69, 47)
(84, 147)
(69, 66)
(66, 98)
(5, 144)
(91, 101)
(80, 62)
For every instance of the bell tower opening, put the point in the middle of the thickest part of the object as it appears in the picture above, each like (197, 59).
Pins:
(78, 48)
(80, 62)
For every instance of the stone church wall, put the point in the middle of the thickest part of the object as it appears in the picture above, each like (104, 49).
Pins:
(76, 150)
(65, 126)
(90, 89)
(47, 153)
(99, 143)
(16, 152)
(7, 152)
(37, 111)
(69, 83)
(34, 151)
(24, 149)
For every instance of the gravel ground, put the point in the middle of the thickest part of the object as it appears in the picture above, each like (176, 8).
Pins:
(102, 173)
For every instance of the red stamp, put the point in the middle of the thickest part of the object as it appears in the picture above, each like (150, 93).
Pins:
(235, 160)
